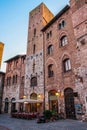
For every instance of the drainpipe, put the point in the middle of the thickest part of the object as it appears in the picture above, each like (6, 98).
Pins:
(44, 70)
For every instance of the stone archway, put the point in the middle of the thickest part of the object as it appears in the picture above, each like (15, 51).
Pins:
(69, 103)
(33, 106)
(13, 105)
(53, 100)
(6, 105)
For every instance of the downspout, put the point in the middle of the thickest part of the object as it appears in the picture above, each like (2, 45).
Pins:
(44, 70)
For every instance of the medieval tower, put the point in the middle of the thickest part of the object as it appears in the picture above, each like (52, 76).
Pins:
(34, 78)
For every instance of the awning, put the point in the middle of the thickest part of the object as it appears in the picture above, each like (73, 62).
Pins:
(27, 101)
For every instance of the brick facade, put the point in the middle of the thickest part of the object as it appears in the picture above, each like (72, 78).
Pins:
(75, 30)
(14, 82)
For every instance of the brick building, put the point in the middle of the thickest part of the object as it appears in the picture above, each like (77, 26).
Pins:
(59, 62)
(2, 77)
(58, 53)
(14, 83)
(65, 38)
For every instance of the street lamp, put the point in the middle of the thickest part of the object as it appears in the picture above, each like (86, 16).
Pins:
(24, 97)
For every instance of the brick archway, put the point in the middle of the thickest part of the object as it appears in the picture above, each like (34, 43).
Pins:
(69, 103)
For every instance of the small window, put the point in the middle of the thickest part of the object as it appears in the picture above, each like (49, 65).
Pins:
(33, 81)
(34, 32)
(31, 57)
(22, 80)
(86, 99)
(50, 49)
(63, 41)
(47, 35)
(83, 41)
(61, 24)
(8, 81)
(66, 65)
(15, 63)
(50, 33)
(23, 59)
(13, 79)
(16, 79)
(50, 71)
(34, 48)
(33, 66)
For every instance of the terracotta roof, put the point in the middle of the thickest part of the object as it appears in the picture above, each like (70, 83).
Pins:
(15, 57)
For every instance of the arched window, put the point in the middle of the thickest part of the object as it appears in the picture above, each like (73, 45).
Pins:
(50, 71)
(13, 105)
(63, 40)
(33, 96)
(66, 65)
(33, 106)
(33, 81)
(8, 81)
(61, 24)
(50, 49)
(16, 78)
(13, 79)
(6, 105)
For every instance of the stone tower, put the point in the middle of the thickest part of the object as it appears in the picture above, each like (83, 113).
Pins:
(34, 80)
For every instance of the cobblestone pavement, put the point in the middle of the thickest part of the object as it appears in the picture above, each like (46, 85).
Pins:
(20, 124)
(3, 128)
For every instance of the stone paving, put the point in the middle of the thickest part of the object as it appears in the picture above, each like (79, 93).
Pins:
(20, 124)
(3, 128)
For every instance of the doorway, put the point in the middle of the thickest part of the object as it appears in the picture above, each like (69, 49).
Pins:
(53, 101)
(13, 105)
(6, 105)
(69, 103)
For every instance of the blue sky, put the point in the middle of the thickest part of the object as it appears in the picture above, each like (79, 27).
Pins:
(14, 16)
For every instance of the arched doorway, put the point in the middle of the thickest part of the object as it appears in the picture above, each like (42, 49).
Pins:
(6, 105)
(13, 105)
(33, 106)
(69, 103)
(53, 100)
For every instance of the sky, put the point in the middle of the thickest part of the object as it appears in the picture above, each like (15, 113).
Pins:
(14, 17)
